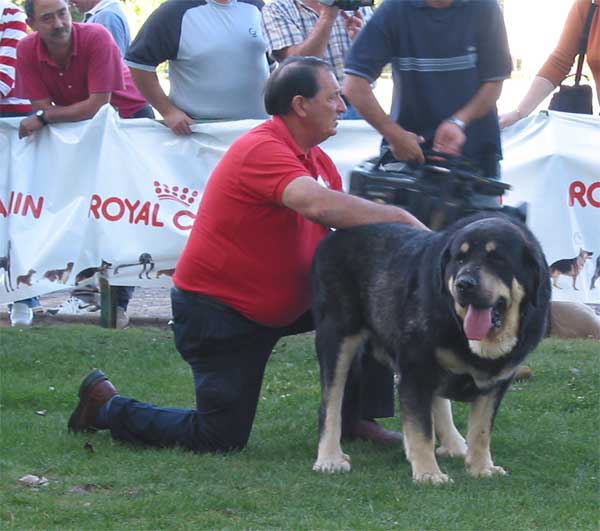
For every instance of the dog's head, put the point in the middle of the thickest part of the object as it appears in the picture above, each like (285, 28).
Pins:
(585, 254)
(492, 267)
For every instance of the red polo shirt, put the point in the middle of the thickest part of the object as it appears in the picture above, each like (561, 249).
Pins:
(95, 65)
(246, 248)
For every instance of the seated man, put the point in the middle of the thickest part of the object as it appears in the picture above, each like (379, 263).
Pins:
(69, 71)
(242, 281)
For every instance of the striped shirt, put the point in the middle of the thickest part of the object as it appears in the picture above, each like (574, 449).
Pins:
(12, 30)
(289, 23)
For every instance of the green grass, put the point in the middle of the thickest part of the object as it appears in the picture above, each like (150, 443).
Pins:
(546, 437)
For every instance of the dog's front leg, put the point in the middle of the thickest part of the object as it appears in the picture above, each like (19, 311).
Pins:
(334, 373)
(417, 426)
(481, 420)
(452, 443)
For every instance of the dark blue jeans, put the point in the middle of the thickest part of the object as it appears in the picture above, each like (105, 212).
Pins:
(227, 354)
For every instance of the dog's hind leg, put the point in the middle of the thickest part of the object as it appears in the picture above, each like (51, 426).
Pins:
(452, 443)
(481, 421)
(335, 358)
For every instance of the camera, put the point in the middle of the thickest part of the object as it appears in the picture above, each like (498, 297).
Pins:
(348, 5)
(439, 192)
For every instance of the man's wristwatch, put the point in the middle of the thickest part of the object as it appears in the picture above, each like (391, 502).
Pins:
(41, 116)
(457, 121)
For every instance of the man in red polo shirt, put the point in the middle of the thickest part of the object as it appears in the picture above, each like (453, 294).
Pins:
(70, 70)
(242, 281)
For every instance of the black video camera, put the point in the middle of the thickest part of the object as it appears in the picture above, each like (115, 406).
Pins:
(348, 5)
(437, 193)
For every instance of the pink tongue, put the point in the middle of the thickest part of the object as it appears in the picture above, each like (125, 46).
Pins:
(477, 323)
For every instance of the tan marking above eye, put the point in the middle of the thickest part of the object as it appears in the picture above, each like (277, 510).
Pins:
(490, 246)
(464, 248)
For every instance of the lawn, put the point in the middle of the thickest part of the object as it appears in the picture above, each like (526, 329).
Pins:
(546, 437)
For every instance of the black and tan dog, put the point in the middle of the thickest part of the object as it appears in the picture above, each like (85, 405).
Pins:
(453, 313)
(570, 267)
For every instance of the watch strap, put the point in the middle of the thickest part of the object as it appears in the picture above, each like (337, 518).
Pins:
(457, 121)
(41, 116)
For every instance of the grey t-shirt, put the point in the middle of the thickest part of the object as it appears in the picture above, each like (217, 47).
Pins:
(216, 52)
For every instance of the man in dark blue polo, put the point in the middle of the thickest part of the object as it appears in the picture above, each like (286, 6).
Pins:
(449, 59)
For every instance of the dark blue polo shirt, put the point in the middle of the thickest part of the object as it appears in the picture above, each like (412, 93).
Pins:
(439, 58)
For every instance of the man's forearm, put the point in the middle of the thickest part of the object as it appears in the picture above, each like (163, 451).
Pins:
(348, 210)
(82, 110)
(335, 209)
(316, 42)
(149, 85)
(359, 92)
(481, 103)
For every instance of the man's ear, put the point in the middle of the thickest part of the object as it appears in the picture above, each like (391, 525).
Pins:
(299, 105)
(30, 23)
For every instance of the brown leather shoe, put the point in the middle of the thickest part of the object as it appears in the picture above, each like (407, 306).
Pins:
(94, 392)
(369, 430)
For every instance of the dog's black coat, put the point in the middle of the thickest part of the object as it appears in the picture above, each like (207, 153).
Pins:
(392, 282)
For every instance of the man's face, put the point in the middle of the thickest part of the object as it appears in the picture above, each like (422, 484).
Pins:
(84, 5)
(52, 20)
(324, 108)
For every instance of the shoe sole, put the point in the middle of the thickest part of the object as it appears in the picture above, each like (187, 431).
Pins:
(75, 423)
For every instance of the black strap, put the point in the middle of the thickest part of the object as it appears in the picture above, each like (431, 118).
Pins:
(584, 41)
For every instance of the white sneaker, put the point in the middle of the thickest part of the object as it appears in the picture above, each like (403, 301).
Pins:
(72, 306)
(122, 318)
(21, 314)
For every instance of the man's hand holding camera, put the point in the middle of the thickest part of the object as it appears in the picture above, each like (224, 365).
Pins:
(405, 145)
(450, 136)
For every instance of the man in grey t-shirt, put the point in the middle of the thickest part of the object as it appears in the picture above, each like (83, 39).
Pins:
(217, 61)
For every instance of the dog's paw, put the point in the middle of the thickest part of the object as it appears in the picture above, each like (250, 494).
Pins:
(432, 478)
(487, 471)
(456, 449)
(331, 465)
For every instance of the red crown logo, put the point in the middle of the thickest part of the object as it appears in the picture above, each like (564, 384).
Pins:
(184, 196)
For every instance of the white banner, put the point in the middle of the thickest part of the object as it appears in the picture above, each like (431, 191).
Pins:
(120, 196)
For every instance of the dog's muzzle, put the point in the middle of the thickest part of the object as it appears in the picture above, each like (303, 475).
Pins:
(482, 313)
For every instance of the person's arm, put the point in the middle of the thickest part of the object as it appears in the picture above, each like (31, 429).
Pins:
(539, 90)
(556, 67)
(450, 137)
(82, 110)
(338, 209)
(15, 29)
(316, 42)
(403, 143)
(148, 84)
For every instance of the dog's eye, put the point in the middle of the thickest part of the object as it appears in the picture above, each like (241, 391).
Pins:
(460, 259)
